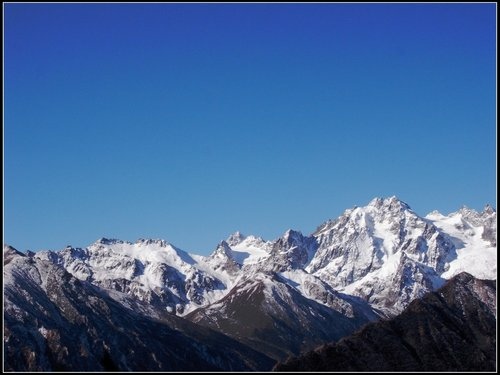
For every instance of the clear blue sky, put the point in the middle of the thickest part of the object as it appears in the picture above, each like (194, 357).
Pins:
(188, 122)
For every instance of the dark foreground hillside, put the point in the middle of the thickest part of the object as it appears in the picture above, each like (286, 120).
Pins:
(452, 329)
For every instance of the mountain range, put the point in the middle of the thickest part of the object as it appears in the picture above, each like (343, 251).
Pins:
(246, 306)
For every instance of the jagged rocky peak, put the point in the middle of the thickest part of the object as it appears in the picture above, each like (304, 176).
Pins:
(489, 216)
(475, 217)
(10, 253)
(291, 237)
(391, 203)
(488, 210)
(291, 251)
(7, 249)
(222, 259)
(486, 219)
(363, 219)
(159, 242)
(108, 241)
(141, 241)
(386, 208)
(223, 250)
(235, 238)
(467, 211)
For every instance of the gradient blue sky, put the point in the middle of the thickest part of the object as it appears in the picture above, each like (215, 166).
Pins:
(188, 122)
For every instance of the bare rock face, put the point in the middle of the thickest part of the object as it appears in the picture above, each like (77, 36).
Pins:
(488, 220)
(452, 329)
(292, 251)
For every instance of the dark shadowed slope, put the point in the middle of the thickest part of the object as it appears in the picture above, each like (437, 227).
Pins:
(269, 315)
(452, 329)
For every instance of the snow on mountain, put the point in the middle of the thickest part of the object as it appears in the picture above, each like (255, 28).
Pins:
(151, 270)
(249, 249)
(317, 290)
(235, 238)
(292, 251)
(383, 253)
(221, 265)
(474, 236)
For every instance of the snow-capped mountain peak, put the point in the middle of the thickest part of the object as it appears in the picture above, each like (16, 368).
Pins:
(292, 237)
(474, 237)
(370, 250)
(434, 214)
(235, 238)
(251, 250)
(488, 210)
(391, 203)
(223, 256)
(223, 249)
(466, 211)
(10, 253)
